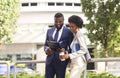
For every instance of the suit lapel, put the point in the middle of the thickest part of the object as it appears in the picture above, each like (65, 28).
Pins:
(51, 34)
(61, 34)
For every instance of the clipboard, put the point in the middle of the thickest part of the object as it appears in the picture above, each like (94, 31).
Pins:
(53, 45)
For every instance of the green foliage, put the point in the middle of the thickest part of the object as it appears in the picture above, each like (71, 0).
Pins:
(100, 75)
(24, 75)
(104, 24)
(9, 11)
(89, 75)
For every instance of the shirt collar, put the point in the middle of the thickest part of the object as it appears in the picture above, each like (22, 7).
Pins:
(60, 29)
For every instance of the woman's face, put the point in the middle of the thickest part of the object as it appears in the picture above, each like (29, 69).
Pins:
(73, 27)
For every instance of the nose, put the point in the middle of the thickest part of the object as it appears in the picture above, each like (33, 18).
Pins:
(58, 23)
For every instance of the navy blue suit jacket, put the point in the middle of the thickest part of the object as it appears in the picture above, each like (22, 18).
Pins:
(65, 41)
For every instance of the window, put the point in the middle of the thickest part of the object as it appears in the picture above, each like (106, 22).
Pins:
(77, 4)
(18, 56)
(68, 4)
(9, 57)
(51, 4)
(33, 4)
(59, 4)
(25, 4)
(50, 26)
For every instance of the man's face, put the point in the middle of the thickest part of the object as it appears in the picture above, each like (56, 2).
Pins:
(59, 22)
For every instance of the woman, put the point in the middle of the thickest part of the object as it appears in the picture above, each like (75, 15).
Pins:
(78, 46)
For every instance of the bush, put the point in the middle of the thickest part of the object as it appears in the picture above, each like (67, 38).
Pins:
(100, 75)
(89, 75)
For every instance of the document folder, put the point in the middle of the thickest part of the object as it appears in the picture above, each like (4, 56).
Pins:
(53, 45)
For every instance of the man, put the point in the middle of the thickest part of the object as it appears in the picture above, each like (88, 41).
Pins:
(59, 33)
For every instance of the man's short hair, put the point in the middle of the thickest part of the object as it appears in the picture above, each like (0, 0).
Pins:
(58, 15)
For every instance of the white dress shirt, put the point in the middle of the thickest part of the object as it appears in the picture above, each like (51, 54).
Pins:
(60, 33)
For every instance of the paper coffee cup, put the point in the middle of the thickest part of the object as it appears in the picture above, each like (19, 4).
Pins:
(62, 53)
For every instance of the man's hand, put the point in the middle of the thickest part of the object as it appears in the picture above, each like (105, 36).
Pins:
(48, 51)
(65, 56)
(61, 50)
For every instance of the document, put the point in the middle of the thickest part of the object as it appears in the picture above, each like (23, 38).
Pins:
(53, 45)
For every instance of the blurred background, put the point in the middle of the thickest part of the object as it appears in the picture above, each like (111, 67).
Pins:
(23, 31)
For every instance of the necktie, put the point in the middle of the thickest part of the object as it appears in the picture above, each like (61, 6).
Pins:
(56, 35)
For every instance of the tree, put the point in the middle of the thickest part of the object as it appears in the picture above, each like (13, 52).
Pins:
(9, 12)
(104, 22)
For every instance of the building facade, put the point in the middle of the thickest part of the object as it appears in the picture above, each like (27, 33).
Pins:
(35, 18)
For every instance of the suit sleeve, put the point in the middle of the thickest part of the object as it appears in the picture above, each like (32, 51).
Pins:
(45, 45)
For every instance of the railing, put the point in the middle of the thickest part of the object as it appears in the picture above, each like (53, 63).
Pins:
(35, 61)
(101, 60)
(8, 68)
(25, 62)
